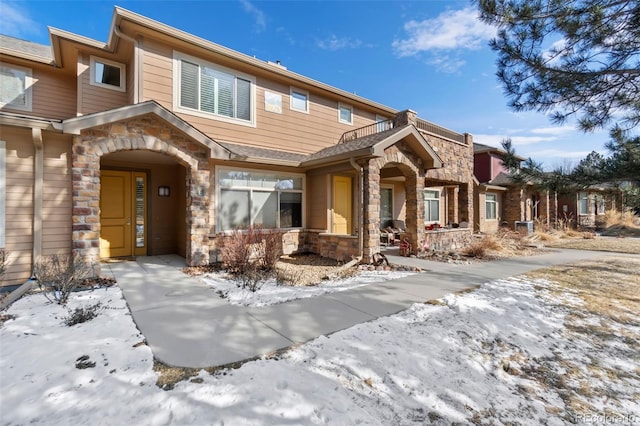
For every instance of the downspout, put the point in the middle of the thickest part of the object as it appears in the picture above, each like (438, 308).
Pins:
(360, 208)
(136, 62)
(38, 191)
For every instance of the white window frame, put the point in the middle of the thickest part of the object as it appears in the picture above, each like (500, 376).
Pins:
(3, 190)
(342, 106)
(293, 90)
(178, 57)
(488, 202)
(122, 87)
(438, 198)
(28, 92)
(583, 197)
(220, 170)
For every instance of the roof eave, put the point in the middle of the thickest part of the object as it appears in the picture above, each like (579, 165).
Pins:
(77, 124)
(250, 60)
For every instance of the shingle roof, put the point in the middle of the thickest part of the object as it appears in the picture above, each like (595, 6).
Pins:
(23, 46)
(502, 179)
(354, 145)
(267, 154)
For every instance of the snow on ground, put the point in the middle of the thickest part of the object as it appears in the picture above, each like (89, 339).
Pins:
(271, 292)
(462, 361)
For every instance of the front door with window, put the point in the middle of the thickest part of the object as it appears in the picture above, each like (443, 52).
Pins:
(122, 213)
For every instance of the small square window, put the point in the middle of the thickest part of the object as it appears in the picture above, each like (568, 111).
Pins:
(299, 100)
(108, 74)
(345, 114)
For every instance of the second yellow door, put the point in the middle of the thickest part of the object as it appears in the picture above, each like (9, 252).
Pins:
(342, 205)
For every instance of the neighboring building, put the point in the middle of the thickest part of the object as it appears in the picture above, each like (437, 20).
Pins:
(498, 200)
(587, 207)
(158, 141)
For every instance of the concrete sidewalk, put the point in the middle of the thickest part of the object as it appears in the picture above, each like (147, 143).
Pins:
(186, 324)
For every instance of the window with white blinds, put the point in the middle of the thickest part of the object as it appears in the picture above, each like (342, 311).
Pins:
(213, 90)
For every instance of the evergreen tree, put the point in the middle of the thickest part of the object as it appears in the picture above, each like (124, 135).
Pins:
(569, 58)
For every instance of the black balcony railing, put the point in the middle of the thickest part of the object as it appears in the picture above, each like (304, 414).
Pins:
(371, 129)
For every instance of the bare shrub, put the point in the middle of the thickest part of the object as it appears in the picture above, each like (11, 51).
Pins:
(250, 254)
(82, 314)
(272, 249)
(58, 275)
(625, 218)
(235, 250)
(4, 254)
(481, 247)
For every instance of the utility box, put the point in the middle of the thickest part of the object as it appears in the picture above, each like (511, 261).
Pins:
(524, 227)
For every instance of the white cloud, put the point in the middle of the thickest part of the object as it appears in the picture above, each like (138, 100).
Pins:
(557, 153)
(446, 63)
(15, 21)
(496, 139)
(336, 43)
(259, 15)
(557, 131)
(451, 30)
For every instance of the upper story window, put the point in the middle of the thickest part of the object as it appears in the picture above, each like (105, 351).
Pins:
(205, 89)
(299, 100)
(15, 87)
(345, 113)
(107, 74)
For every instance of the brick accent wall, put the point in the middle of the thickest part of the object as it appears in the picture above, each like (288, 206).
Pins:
(140, 133)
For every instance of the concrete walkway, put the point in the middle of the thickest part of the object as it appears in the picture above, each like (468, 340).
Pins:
(186, 324)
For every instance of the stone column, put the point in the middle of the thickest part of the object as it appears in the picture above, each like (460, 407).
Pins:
(198, 216)
(85, 203)
(414, 186)
(452, 204)
(371, 216)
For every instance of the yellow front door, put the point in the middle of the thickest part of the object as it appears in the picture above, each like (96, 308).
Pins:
(122, 213)
(342, 205)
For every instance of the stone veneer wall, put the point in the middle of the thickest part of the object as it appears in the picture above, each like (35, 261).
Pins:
(458, 169)
(447, 239)
(333, 246)
(139, 133)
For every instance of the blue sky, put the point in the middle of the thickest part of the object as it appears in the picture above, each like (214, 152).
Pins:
(430, 56)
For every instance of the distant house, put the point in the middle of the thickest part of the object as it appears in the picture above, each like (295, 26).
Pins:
(586, 207)
(159, 142)
(500, 202)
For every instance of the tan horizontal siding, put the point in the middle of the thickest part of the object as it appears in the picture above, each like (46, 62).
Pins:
(53, 93)
(56, 208)
(19, 204)
(94, 98)
(291, 130)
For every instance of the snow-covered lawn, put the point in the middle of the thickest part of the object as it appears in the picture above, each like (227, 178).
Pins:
(271, 292)
(498, 355)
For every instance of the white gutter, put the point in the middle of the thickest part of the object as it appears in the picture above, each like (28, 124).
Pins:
(136, 62)
(360, 207)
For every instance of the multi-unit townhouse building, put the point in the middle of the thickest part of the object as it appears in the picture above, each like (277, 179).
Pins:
(500, 202)
(158, 141)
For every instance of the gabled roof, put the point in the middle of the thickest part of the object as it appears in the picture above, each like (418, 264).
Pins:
(375, 144)
(12, 46)
(77, 124)
(479, 148)
(502, 179)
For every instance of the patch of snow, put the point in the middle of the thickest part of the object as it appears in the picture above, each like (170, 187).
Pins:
(458, 362)
(271, 292)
